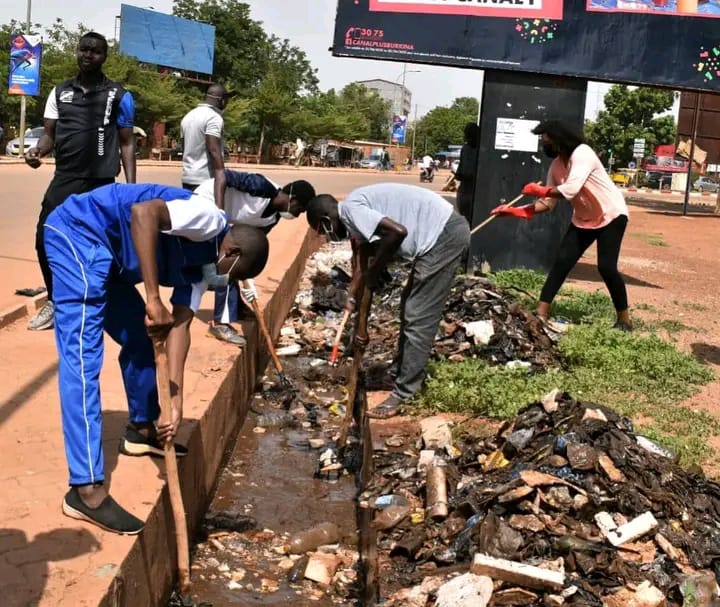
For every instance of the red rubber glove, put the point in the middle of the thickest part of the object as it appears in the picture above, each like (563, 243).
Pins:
(535, 189)
(526, 212)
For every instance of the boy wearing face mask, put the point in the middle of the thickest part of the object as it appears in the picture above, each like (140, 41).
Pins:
(249, 199)
(100, 245)
(389, 219)
(600, 214)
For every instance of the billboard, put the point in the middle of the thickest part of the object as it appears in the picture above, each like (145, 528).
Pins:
(646, 42)
(24, 73)
(164, 40)
(399, 126)
(696, 8)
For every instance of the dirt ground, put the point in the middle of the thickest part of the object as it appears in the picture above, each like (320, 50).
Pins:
(669, 263)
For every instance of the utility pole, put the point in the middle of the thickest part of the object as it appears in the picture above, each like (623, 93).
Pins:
(412, 149)
(23, 99)
(688, 184)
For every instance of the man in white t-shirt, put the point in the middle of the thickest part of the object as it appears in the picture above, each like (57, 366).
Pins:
(202, 130)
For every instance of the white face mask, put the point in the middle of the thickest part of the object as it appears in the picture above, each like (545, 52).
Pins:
(286, 214)
(211, 276)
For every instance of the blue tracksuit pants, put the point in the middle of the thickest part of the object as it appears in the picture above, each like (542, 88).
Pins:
(89, 299)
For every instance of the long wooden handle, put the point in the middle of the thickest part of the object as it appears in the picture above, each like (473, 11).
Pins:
(479, 227)
(338, 337)
(360, 329)
(266, 333)
(173, 478)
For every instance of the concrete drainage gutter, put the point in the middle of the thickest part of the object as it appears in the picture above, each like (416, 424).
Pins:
(143, 579)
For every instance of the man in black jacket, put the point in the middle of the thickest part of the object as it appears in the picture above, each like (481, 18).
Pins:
(89, 125)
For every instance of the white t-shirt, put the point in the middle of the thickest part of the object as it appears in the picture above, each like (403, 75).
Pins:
(427, 162)
(196, 125)
(241, 207)
(195, 218)
(423, 214)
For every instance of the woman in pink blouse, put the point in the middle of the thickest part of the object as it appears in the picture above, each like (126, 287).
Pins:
(599, 214)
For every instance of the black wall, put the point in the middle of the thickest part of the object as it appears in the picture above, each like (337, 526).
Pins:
(509, 242)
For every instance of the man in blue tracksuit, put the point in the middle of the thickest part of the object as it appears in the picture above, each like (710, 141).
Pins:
(249, 199)
(100, 245)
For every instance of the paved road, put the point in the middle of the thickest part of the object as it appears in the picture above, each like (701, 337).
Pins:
(21, 191)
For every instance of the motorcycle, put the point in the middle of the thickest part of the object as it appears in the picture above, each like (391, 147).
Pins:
(427, 174)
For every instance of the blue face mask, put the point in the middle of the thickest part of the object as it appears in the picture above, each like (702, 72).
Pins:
(211, 276)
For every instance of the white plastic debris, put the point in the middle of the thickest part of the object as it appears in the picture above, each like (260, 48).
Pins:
(481, 331)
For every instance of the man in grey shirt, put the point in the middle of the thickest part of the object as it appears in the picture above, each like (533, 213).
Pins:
(391, 219)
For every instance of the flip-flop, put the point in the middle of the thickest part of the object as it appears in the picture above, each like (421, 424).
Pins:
(384, 411)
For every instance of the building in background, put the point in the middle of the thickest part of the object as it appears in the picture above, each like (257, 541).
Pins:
(398, 96)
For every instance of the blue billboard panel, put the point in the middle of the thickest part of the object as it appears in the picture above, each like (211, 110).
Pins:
(399, 126)
(161, 39)
(25, 54)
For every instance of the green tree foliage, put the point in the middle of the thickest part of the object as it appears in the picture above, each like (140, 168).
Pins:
(354, 113)
(443, 126)
(631, 114)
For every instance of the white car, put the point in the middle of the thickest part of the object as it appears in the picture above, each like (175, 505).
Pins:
(32, 136)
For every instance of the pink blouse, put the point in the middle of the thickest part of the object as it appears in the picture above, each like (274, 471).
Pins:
(595, 199)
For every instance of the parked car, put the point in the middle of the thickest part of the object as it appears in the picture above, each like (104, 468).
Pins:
(32, 136)
(370, 163)
(621, 177)
(658, 181)
(705, 184)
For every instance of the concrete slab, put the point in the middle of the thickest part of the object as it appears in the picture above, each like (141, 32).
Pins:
(48, 560)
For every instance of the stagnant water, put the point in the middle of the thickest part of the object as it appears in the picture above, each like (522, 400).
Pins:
(271, 477)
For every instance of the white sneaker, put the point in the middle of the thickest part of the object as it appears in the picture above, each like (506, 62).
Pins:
(44, 319)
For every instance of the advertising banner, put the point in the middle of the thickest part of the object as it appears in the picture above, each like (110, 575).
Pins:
(645, 42)
(24, 75)
(688, 8)
(545, 9)
(399, 126)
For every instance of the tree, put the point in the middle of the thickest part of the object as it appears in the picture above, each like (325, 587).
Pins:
(629, 115)
(240, 43)
(443, 126)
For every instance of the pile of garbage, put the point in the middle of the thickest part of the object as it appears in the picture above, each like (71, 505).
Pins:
(564, 505)
(481, 320)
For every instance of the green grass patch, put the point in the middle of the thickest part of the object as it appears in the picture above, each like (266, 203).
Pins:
(655, 240)
(637, 374)
(688, 305)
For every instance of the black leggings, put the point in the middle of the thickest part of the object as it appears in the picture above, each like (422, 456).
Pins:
(576, 241)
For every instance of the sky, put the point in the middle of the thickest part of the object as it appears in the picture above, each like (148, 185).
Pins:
(308, 24)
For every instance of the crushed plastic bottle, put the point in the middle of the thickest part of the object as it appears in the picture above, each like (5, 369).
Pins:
(310, 539)
(297, 573)
(275, 419)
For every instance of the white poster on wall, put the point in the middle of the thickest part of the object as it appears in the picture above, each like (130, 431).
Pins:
(515, 135)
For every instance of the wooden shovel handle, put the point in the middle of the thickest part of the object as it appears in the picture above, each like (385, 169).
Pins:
(479, 227)
(162, 371)
(263, 328)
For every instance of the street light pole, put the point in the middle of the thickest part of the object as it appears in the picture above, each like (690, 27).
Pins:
(23, 99)
(412, 149)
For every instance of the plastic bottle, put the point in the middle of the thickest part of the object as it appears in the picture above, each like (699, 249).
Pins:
(275, 419)
(297, 573)
(319, 535)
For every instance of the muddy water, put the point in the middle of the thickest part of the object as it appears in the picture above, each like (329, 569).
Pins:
(271, 477)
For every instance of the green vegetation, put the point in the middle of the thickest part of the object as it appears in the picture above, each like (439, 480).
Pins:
(638, 374)
(655, 240)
